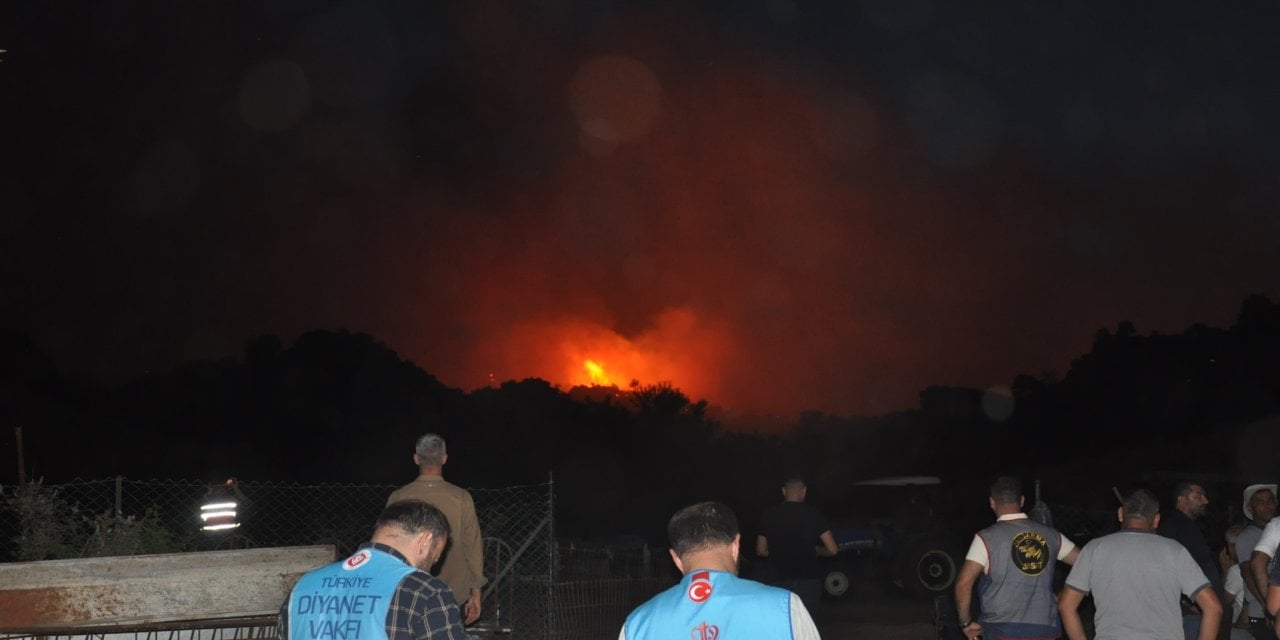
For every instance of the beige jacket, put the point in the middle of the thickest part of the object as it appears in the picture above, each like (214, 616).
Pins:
(462, 566)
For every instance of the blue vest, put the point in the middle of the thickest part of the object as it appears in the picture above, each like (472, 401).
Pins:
(347, 600)
(710, 604)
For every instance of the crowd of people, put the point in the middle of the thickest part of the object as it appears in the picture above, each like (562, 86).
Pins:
(420, 575)
(1157, 577)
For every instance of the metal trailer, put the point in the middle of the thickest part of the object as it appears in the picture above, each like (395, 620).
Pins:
(208, 595)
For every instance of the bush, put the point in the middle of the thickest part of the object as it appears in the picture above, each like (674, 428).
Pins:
(50, 528)
(46, 523)
(119, 535)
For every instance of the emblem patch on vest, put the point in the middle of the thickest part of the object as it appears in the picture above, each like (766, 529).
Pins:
(362, 556)
(1030, 553)
(700, 588)
(705, 631)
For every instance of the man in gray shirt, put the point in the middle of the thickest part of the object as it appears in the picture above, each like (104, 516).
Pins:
(1137, 579)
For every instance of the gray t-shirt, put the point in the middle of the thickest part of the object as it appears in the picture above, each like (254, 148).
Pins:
(1245, 543)
(1137, 578)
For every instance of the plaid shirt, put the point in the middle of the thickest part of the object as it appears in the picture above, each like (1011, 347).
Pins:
(422, 607)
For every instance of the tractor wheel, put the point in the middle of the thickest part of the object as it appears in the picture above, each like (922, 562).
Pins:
(927, 566)
(835, 584)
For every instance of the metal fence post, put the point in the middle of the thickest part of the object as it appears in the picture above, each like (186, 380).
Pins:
(551, 514)
(551, 554)
(119, 508)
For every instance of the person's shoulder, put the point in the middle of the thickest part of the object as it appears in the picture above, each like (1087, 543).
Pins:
(1173, 524)
(401, 493)
(1019, 525)
(1117, 537)
(799, 509)
(730, 583)
(1047, 530)
(752, 589)
(1249, 535)
(674, 591)
(454, 489)
(1168, 544)
(423, 582)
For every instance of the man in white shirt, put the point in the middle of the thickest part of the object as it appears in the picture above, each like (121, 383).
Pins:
(1260, 509)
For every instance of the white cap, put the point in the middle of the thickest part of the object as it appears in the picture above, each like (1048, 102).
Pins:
(1252, 489)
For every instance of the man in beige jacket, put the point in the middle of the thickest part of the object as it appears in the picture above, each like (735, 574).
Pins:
(462, 567)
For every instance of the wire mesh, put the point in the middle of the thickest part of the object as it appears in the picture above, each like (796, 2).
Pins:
(535, 590)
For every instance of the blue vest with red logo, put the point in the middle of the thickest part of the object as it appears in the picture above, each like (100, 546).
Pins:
(711, 604)
(346, 600)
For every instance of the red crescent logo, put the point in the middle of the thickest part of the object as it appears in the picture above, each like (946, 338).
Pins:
(356, 560)
(699, 591)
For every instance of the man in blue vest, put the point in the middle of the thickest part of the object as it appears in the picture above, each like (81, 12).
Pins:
(711, 601)
(383, 591)
(1013, 563)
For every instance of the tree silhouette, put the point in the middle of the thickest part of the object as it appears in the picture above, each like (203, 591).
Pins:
(341, 406)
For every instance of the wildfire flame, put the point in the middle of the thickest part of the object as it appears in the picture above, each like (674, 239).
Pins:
(595, 373)
(676, 349)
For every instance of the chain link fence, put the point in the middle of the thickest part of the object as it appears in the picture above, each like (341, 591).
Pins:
(537, 589)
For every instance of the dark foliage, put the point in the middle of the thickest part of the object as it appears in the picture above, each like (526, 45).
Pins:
(340, 406)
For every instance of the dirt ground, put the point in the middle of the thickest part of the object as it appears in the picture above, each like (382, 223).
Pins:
(879, 612)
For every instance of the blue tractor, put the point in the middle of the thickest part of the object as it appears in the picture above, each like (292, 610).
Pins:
(894, 531)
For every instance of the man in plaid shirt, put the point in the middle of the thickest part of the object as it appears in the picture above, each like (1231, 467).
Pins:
(383, 591)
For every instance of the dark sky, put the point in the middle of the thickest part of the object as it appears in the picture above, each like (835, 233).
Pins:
(772, 205)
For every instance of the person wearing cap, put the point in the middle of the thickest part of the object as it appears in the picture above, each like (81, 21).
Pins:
(1260, 509)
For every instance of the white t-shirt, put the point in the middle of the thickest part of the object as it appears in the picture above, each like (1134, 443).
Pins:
(1270, 539)
(1233, 584)
(1244, 545)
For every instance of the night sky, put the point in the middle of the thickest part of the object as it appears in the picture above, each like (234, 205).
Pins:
(772, 205)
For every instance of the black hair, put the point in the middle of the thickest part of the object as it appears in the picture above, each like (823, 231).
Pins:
(701, 526)
(1006, 490)
(1141, 503)
(414, 517)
